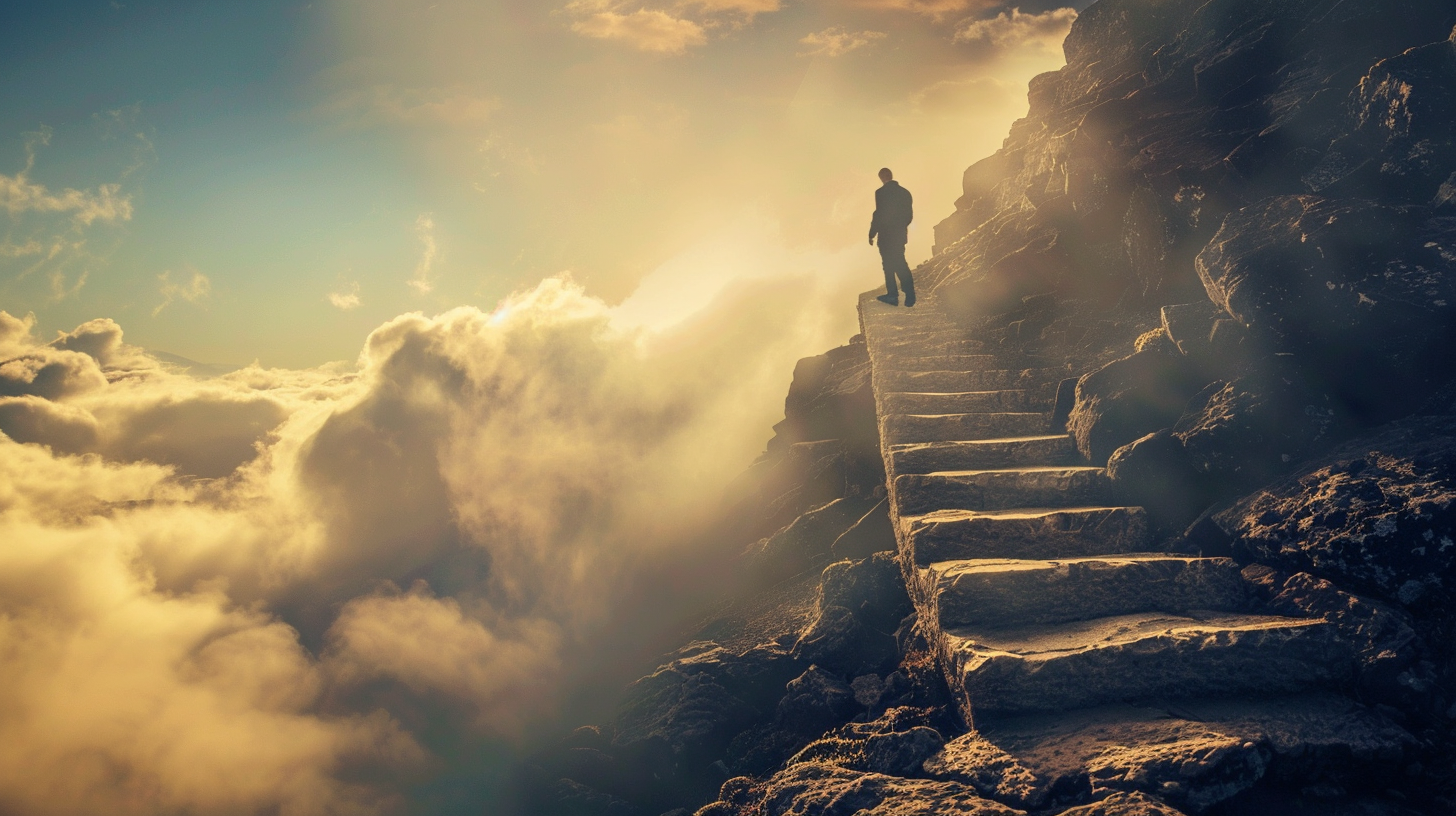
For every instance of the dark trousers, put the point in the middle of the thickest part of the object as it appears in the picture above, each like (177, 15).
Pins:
(892, 256)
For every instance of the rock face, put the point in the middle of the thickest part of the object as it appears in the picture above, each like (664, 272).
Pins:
(1362, 293)
(1170, 116)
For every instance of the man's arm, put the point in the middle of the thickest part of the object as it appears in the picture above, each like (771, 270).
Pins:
(875, 219)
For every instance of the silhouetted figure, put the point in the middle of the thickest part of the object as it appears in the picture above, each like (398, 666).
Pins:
(891, 222)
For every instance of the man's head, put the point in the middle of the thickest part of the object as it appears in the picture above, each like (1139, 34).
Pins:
(886, 175)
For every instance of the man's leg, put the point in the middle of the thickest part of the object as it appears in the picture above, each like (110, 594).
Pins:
(906, 281)
(887, 260)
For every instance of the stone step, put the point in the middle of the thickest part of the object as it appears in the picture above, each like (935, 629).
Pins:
(1199, 751)
(1042, 380)
(913, 320)
(963, 402)
(1002, 592)
(1139, 656)
(915, 361)
(941, 343)
(983, 454)
(1036, 533)
(897, 429)
(918, 494)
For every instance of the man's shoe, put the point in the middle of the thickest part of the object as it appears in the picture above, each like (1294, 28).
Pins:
(893, 300)
(909, 299)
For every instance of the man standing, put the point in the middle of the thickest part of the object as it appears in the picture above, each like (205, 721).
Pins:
(891, 223)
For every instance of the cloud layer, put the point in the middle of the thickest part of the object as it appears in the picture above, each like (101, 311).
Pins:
(302, 591)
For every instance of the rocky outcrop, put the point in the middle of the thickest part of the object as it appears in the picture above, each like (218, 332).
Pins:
(1363, 294)
(1378, 515)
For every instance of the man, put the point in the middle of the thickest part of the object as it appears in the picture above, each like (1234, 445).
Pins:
(891, 223)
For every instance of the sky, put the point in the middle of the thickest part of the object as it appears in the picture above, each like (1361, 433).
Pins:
(513, 292)
(271, 180)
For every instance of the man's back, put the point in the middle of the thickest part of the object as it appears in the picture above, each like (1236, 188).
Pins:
(894, 210)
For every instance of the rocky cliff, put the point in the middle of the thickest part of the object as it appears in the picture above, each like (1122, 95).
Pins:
(1232, 224)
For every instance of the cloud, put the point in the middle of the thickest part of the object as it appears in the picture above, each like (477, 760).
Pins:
(643, 29)
(667, 28)
(425, 231)
(18, 194)
(194, 289)
(1014, 29)
(836, 41)
(346, 297)
(303, 591)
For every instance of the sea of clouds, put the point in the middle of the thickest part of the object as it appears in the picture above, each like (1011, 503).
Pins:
(319, 591)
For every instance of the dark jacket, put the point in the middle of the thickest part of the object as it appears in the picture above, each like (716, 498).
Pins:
(893, 214)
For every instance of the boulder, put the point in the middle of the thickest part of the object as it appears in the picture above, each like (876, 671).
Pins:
(971, 759)
(1156, 473)
(872, 588)
(1130, 398)
(1194, 771)
(896, 743)
(815, 702)
(1387, 647)
(1362, 293)
(1376, 516)
(823, 789)
(1251, 429)
(860, 605)
(1189, 326)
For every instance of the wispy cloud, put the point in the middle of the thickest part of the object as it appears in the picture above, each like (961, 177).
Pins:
(346, 297)
(663, 28)
(1014, 29)
(18, 194)
(425, 229)
(643, 29)
(836, 41)
(191, 286)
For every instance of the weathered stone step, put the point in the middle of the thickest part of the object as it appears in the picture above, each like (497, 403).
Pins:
(1036, 533)
(896, 429)
(1001, 489)
(963, 402)
(941, 343)
(917, 361)
(1001, 592)
(908, 321)
(1128, 657)
(1042, 380)
(983, 454)
(1195, 751)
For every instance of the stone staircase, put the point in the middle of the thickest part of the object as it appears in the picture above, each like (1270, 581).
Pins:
(1038, 589)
